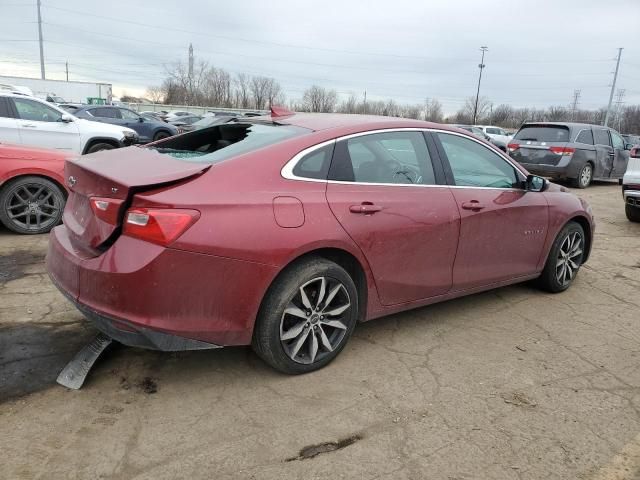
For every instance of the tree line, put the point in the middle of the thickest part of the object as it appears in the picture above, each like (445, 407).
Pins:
(209, 86)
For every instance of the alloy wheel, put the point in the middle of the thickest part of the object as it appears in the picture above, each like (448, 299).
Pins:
(312, 325)
(33, 207)
(569, 258)
(585, 175)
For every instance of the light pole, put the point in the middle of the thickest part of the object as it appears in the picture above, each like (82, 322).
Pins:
(481, 66)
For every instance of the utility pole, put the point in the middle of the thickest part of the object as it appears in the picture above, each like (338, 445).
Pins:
(619, 102)
(40, 39)
(365, 102)
(481, 66)
(574, 103)
(613, 87)
(66, 68)
(190, 72)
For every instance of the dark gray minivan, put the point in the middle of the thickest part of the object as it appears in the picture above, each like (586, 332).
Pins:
(578, 152)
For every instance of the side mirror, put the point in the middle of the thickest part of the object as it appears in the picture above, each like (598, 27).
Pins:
(141, 119)
(628, 146)
(66, 118)
(534, 183)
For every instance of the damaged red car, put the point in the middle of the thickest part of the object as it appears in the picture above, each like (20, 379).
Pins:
(283, 232)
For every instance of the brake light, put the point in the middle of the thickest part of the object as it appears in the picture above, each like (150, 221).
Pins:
(156, 225)
(562, 150)
(106, 209)
(513, 147)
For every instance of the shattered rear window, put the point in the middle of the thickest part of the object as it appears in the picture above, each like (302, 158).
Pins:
(220, 142)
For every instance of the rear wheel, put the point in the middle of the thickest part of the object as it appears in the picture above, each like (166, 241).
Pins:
(564, 260)
(31, 205)
(160, 136)
(584, 177)
(307, 317)
(100, 146)
(633, 213)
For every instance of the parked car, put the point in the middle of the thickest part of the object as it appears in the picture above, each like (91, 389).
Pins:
(631, 185)
(223, 113)
(26, 120)
(151, 116)
(577, 152)
(148, 129)
(174, 114)
(499, 137)
(631, 140)
(32, 192)
(357, 217)
(208, 121)
(477, 131)
(185, 120)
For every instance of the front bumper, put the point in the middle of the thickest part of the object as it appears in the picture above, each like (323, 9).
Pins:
(631, 197)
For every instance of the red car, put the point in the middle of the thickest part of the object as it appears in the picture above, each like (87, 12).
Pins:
(283, 232)
(32, 193)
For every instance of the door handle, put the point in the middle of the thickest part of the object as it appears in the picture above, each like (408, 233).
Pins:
(28, 125)
(365, 208)
(474, 205)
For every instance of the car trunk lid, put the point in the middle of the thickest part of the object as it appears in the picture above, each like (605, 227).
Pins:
(102, 184)
(541, 144)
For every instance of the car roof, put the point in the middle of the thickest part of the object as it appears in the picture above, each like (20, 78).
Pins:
(343, 121)
(563, 124)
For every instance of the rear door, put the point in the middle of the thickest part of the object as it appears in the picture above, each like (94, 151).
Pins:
(502, 226)
(389, 196)
(9, 131)
(621, 156)
(605, 154)
(42, 126)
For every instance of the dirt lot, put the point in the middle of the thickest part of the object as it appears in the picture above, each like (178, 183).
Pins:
(509, 384)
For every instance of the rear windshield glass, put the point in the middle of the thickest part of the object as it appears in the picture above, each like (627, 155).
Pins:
(220, 142)
(547, 133)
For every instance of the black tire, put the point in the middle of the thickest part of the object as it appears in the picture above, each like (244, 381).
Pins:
(552, 278)
(31, 205)
(100, 146)
(160, 135)
(585, 177)
(273, 323)
(633, 213)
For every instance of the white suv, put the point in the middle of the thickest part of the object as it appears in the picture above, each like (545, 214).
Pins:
(498, 136)
(26, 120)
(631, 186)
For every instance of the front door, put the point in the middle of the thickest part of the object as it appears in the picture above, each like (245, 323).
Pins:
(621, 156)
(382, 189)
(42, 126)
(605, 155)
(502, 226)
(9, 131)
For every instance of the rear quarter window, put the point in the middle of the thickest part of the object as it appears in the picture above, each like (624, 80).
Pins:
(543, 133)
(585, 136)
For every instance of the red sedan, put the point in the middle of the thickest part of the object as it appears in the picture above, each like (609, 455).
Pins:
(32, 195)
(284, 232)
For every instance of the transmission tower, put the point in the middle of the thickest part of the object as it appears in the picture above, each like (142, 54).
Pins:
(575, 103)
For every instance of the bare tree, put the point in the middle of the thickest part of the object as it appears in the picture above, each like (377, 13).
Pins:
(155, 93)
(433, 110)
(241, 93)
(319, 99)
(260, 88)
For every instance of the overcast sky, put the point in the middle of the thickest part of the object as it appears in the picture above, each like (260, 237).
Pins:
(540, 51)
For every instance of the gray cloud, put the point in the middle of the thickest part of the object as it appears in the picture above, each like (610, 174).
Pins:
(539, 51)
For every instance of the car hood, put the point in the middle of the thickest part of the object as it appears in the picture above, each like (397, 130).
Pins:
(99, 127)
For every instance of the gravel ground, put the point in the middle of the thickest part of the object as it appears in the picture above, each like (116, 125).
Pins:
(508, 384)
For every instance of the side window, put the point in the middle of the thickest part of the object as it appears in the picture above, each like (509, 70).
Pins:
(601, 137)
(36, 111)
(4, 108)
(585, 136)
(392, 158)
(475, 165)
(494, 131)
(105, 112)
(618, 142)
(315, 164)
(128, 114)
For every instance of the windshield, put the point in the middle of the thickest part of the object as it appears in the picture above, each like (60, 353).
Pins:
(220, 142)
(546, 133)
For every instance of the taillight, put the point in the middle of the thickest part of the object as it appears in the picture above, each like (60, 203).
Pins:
(513, 147)
(161, 226)
(562, 150)
(106, 209)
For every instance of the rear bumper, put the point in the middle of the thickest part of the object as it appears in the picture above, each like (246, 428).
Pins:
(146, 295)
(631, 197)
(551, 171)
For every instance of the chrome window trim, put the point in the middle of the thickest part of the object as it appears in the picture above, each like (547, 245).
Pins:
(287, 171)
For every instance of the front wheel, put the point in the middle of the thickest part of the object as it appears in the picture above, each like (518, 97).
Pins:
(160, 136)
(307, 317)
(633, 212)
(100, 146)
(564, 260)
